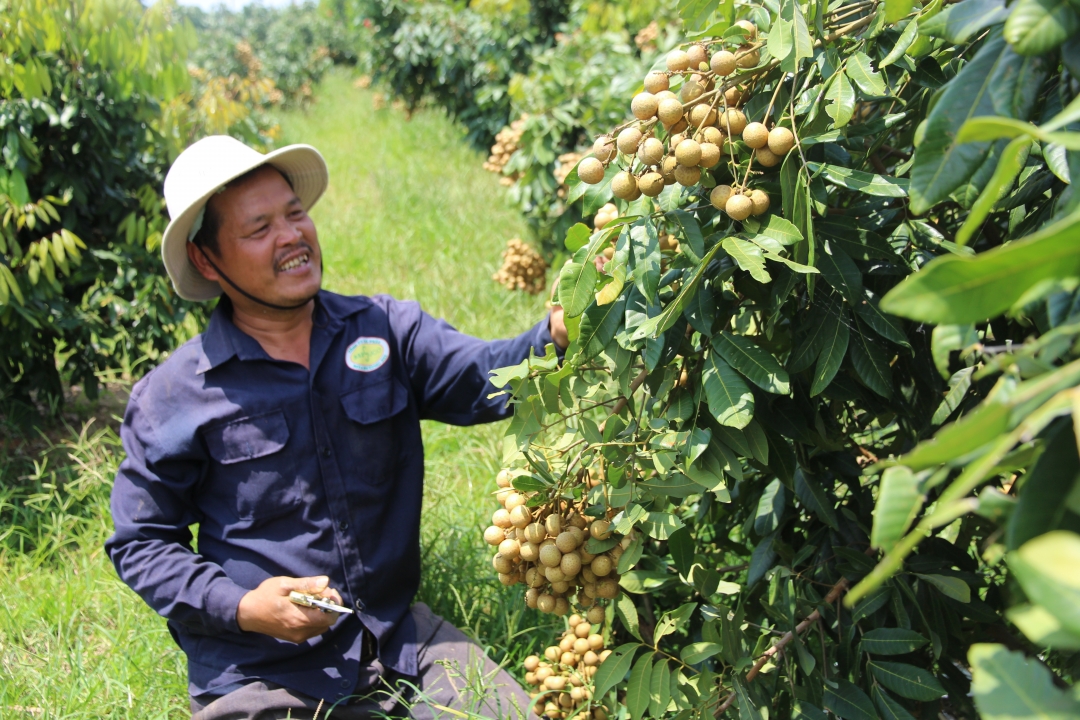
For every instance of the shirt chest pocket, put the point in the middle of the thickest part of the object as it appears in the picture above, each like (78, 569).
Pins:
(251, 472)
(372, 435)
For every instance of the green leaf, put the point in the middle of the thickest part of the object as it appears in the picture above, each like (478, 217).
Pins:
(747, 709)
(959, 438)
(994, 128)
(887, 326)
(834, 344)
(780, 230)
(907, 680)
(577, 237)
(681, 548)
(756, 364)
(673, 311)
(576, 284)
(849, 702)
(697, 652)
(770, 507)
(660, 688)
(1040, 507)
(1007, 686)
(815, 498)
(897, 10)
(891, 641)
(907, 37)
(781, 41)
(1036, 27)
(862, 73)
(841, 98)
(1042, 628)
(624, 606)
(1048, 568)
(730, 400)
(804, 44)
(748, 256)
(614, 669)
(940, 164)
(660, 525)
(871, 364)
(890, 708)
(1008, 169)
(841, 272)
(797, 267)
(637, 689)
(898, 503)
(598, 327)
(959, 290)
(960, 22)
(952, 587)
(869, 183)
(645, 258)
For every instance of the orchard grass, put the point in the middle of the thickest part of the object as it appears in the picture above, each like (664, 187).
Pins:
(409, 212)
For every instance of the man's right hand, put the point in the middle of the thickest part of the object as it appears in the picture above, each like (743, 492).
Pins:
(268, 610)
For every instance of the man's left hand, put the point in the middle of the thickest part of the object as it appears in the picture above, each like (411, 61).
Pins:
(557, 327)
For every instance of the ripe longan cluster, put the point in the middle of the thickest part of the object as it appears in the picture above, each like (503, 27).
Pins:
(544, 548)
(565, 164)
(675, 138)
(523, 268)
(605, 215)
(507, 142)
(563, 676)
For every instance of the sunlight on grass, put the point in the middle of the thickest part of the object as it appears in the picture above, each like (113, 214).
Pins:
(409, 212)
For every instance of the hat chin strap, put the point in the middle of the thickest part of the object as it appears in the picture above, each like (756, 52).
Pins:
(248, 295)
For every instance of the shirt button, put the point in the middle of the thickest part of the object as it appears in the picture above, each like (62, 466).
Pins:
(345, 683)
(359, 605)
(343, 525)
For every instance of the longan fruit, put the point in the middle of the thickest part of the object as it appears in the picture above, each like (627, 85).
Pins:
(590, 171)
(748, 59)
(553, 523)
(575, 620)
(596, 641)
(759, 199)
(710, 155)
(509, 548)
(781, 140)
(650, 152)
(531, 663)
(749, 27)
(502, 564)
(534, 578)
(667, 169)
(509, 579)
(691, 91)
(665, 95)
(702, 116)
(552, 653)
(674, 139)
(697, 55)
(550, 556)
(719, 196)
(560, 587)
(545, 604)
(531, 596)
(513, 500)
(520, 516)
(624, 186)
(603, 149)
(600, 529)
(581, 646)
(566, 541)
(755, 135)
(589, 589)
(503, 478)
(766, 158)
(688, 153)
(502, 494)
(733, 121)
(651, 184)
(529, 552)
(733, 96)
(577, 694)
(554, 574)
(712, 135)
(595, 616)
(562, 606)
(570, 564)
(723, 63)
(535, 533)
(669, 111)
(599, 713)
(687, 176)
(678, 60)
(628, 141)
(601, 566)
(501, 518)
(590, 659)
(643, 106)
(583, 629)
(739, 207)
(609, 252)
(679, 126)
(656, 82)
(494, 535)
(604, 655)
(607, 588)
(578, 533)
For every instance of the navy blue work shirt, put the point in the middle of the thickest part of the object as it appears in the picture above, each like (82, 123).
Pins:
(294, 472)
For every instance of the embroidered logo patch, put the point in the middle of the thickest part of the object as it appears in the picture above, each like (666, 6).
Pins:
(367, 354)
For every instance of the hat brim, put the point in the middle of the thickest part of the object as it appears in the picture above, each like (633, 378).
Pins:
(306, 171)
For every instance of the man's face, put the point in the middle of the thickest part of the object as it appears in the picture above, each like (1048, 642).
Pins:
(267, 242)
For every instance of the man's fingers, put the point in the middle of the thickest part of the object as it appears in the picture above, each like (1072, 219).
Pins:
(309, 584)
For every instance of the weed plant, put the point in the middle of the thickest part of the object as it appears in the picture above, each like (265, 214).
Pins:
(409, 212)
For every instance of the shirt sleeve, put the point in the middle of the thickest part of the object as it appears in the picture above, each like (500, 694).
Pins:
(152, 511)
(450, 371)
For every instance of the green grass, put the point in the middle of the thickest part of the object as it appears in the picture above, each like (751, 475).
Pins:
(409, 212)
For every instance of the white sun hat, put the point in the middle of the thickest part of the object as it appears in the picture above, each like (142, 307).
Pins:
(204, 168)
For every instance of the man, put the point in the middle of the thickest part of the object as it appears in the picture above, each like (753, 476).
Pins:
(289, 432)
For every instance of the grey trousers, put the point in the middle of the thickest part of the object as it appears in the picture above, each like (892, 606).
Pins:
(456, 680)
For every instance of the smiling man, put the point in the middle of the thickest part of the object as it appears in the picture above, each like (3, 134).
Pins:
(289, 432)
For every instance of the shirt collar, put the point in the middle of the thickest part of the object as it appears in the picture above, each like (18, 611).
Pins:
(223, 341)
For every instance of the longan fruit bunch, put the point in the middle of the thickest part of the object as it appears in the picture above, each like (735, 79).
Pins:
(605, 215)
(564, 165)
(544, 548)
(523, 268)
(739, 204)
(562, 678)
(507, 142)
